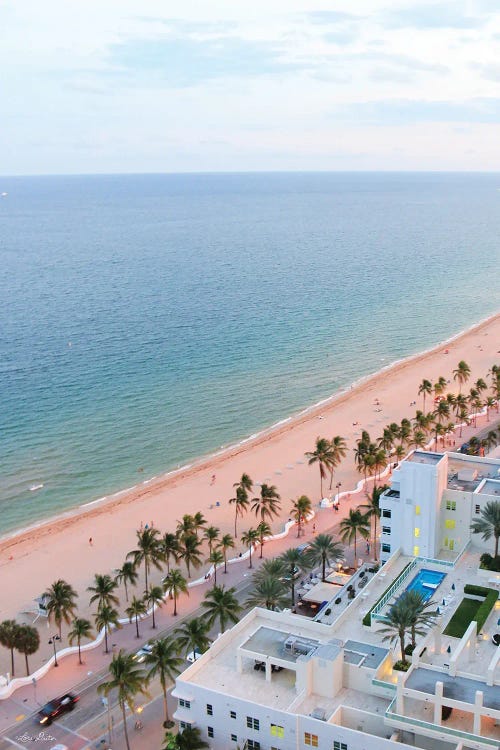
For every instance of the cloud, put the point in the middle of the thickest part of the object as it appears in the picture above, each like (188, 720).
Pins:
(433, 16)
(181, 62)
(489, 71)
(406, 111)
(330, 17)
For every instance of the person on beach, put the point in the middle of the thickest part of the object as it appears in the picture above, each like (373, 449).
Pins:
(213, 479)
(91, 541)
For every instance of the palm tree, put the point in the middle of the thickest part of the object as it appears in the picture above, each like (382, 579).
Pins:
(164, 662)
(462, 374)
(338, 448)
(103, 589)
(421, 614)
(263, 530)
(440, 387)
(60, 603)
(322, 455)
(441, 414)
(189, 551)
(190, 739)
(379, 463)
(215, 558)
(154, 598)
(419, 439)
(27, 642)
(126, 574)
(399, 620)
(81, 629)
(192, 635)
(386, 442)
(128, 680)
(170, 548)
(463, 416)
(221, 604)
(325, 551)
(227, 542)
(149, 551)
(301, 509)
(211, 535)
(249, 538)
(174, 584)
(9, 630)
(273, 567)
(268, 505)
(294, 560)
(355, 523)
(241, 503)
(199, 522)
(106, 618)
(488, 525)
(186, 526)
(425, 389)
(268, 592)
(136, 609)
(373, 511)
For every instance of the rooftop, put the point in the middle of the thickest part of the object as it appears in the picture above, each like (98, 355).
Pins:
(425, 457)
(490, 487)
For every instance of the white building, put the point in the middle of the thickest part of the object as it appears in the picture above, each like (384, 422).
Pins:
(432, 501)
(282, 681)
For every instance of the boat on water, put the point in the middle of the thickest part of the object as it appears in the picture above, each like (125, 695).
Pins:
(36, 487)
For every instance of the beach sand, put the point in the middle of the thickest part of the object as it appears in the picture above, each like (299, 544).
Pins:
(31, 560)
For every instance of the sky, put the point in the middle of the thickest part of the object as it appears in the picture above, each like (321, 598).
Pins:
(109, 86)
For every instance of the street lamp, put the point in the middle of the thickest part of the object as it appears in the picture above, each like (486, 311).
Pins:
(52, 642)
(339, 485)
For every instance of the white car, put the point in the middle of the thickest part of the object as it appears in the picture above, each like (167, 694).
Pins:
(143, 652)
(193, 655)
(59, 747)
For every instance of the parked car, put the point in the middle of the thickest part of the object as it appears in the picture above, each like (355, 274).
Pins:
(56, 708)
(496, 639)
(143, 652)
(193, 655)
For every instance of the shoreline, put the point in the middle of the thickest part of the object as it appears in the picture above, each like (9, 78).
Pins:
(97, 507)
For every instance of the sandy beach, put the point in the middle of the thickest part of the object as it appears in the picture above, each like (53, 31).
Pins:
(31, 560)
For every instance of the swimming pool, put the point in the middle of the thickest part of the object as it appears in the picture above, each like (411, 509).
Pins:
(426, 582)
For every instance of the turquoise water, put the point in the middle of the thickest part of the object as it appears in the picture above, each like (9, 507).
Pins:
(147, 320)
(425, 583)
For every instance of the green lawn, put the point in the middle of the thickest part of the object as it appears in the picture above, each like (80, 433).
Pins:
(464, 614)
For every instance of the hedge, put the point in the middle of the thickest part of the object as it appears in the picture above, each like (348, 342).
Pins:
(367, 619)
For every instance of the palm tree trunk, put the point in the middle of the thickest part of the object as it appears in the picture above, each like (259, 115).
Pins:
(167, 717)
(250, 548)
(261, 547)
(125, 587)
(79, 652)
(323, 568)
(154, 622)
(137, 626)
(188, 568)
(146, 572)
(293, 589)
(402, 644)
(321, 480)
(125, 726)
(12, 662)
(106, 639)
(215, 574)
(225, 561)
(27, 667)
(496, 546)
(355, 548)
(235, 522)
(175, 604)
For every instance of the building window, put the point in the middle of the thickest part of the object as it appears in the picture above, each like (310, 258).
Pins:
(417, 510)
(277, 731)
(478, 509)
(451, 505)
(253, 723)
(184, 703)
(253, 745)
(386, 529)
(452, 545)
(234, 738)
(339, 745)
(232, 714)
(386, 547)
(386, 513)
(210, 710)
(450, 523)
(416, 532)
(210, 732)
(311, 739)
(416, 550)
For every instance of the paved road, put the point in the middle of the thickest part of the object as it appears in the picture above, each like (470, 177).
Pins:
(91, 724)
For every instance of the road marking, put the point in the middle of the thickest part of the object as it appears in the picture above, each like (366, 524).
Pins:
(16, 744)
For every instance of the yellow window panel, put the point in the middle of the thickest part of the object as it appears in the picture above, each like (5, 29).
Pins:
(417, 531)
(416, 550)
(450, 523)
(417, 510)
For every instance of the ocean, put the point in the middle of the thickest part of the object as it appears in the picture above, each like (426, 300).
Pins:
(150, 319)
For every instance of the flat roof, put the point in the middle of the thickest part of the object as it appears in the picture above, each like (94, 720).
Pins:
(271, 642)
(424, 457)
(372, 655)
(457, 688)
(490, 487)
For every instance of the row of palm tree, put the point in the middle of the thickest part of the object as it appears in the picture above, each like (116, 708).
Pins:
(22, 638)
